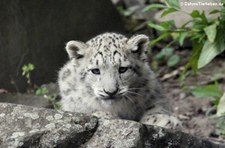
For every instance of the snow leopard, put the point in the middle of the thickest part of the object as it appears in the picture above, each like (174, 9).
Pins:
(110, 74)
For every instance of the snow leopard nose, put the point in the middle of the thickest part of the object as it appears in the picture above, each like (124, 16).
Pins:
(112, 93)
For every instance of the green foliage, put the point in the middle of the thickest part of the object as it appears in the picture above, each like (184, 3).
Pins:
(173, 60)
(169, 55)
(127, 12)
(211, 90)
(153, 6)
(43, 91)
(207, 35)
(26, 70)
(207, 91)
(208, 41)
(173, 4)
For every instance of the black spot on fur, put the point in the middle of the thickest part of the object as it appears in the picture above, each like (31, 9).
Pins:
(115, 45)
(116, 52)
(155, 119)
(91, 61)
(136, 70)
(96, 55)
(125, 58)
(168, 123)
(120, 62)
(83, 75)
(66, 74)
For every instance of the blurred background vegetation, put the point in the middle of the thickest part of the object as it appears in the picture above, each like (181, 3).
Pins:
(188, 41)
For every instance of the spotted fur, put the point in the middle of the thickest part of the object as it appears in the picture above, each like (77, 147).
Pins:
(110, 73)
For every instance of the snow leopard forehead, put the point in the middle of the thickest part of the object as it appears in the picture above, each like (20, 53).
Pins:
(108, 40)
(108, 48)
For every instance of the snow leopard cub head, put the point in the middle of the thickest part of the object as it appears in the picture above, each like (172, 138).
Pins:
(110, 65)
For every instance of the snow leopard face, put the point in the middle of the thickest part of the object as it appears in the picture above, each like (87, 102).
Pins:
(109, 66)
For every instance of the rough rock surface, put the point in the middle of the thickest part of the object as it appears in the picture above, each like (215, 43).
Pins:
(24, 126)
(159, 137)
(117, 133)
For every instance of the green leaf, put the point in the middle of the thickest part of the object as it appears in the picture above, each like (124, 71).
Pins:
(195, 14)
(173, 3)
(168, 24)
(221, 106)
(182, 37)
(161, 37)
(211, 32)
(214, 11)
(222, 13)
(160, 56)
(30, 66)
(41, 91)
(204, 18)
(155, 26)
(167, 51)
(153, 6)
(173, 60)
(129, 11)
(193, 61)
(175, 35)
(211, 50)
(23, 73)
(168, 11)
(207, 91)
(24, 69)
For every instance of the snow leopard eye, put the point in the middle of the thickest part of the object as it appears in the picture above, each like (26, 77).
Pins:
(96, 71)
(123, 69)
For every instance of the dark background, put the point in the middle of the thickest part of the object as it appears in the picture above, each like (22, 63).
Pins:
(35, 31)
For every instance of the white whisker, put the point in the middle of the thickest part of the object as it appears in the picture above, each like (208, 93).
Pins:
(131, 92)
(129, 99)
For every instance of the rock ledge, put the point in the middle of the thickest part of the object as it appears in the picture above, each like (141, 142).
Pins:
(25, 126)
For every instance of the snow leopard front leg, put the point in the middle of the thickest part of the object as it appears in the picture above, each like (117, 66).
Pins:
(161, 119)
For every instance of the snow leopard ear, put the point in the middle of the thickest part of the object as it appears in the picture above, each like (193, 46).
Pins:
(138, 44)
(75, 49)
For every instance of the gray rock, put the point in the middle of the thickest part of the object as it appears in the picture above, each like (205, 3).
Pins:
(118, 134)
(36, 32)
(25, 99)
(32, 99)
(130, 134)
(159, 137)
(23, 126)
